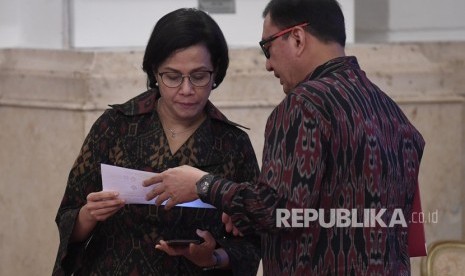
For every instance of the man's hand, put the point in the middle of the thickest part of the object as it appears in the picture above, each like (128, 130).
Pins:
(229, 225)
(177, 185)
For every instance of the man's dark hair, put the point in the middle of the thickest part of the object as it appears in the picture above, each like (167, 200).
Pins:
(180, 29)
(325, 17)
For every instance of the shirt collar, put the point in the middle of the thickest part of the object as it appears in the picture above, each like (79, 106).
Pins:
(336, 64)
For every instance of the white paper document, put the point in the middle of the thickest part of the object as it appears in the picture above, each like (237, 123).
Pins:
(128, 183)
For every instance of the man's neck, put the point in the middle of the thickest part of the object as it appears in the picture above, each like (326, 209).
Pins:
(321, 53)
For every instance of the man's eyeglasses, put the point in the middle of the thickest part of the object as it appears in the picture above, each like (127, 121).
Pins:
(175, 79)
(276, 35)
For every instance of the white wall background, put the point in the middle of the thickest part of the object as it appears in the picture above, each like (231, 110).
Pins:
(57, 24)
(63, 24)
(409, 20)
(121, 23)
(31, 23)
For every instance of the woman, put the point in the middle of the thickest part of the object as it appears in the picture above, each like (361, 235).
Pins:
(171, 124)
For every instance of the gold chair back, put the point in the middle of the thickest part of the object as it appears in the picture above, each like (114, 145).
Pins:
(445, 258)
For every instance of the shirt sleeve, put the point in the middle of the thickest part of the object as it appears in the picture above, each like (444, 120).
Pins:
(84, 178)
(292, 170)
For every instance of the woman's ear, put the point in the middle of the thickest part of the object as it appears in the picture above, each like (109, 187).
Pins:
(214, 84)
(155, 77)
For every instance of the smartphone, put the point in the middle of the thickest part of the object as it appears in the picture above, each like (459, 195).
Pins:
(182, 242)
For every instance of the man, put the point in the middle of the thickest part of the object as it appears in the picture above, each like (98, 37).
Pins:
(340, 159)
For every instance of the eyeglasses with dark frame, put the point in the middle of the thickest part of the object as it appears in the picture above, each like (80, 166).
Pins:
(175, 79)
(276, 35)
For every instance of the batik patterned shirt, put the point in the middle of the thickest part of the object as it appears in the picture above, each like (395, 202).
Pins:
(336, 142)
(130, 135)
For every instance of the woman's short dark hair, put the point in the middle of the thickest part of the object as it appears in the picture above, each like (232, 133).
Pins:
(180, 29)
(325, 17)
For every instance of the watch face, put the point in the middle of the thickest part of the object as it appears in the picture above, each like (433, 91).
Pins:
(204, 184)
(204, 187)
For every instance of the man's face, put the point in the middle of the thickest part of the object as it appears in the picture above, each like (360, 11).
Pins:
(281, 58)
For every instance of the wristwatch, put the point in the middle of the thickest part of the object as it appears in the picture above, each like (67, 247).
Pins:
(203, 185)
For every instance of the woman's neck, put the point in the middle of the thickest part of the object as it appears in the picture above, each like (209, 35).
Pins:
(178, 128)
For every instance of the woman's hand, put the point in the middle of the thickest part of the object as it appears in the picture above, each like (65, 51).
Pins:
(199, 254)
(102, 205)
(99, 207)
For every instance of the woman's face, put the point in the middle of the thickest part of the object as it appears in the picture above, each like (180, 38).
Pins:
(186, 101)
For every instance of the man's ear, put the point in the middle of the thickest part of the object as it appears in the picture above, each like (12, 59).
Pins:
(300, 39)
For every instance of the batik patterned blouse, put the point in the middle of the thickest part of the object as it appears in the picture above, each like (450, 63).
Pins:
(335, 142)
(130, 135)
